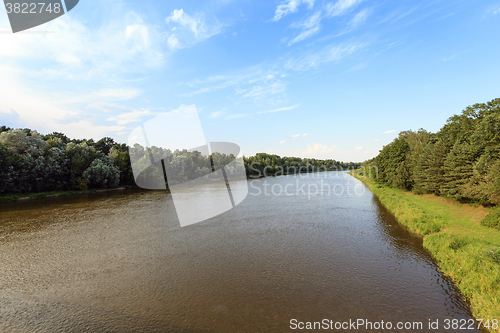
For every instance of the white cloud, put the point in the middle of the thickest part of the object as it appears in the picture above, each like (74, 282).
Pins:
(100, 97)
(341, 7)
(253, 82)
(140, 34)
(290, 6)
(359, 18)
(309, 27)
(216, 114)
(455, 55)
(236, 116)
(86, 129)
(51, 80)
(359, 148)
(130, 117)
(295, 136)
(319, 148)
(189, 30)
(77, 51)
(375, 139)
(391, 131)
(331, 53)
(110, 107)
(281, 109)
(117, 94)
(173, 42)
(282, 141)
(47, 114)
(259, 92)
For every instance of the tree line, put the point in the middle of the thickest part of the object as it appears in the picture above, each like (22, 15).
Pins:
(263, 164)
(32, 162)
(461, 160)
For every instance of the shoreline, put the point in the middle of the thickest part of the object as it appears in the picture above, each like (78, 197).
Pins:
(453, 235)
(11, 197)
(6, 198)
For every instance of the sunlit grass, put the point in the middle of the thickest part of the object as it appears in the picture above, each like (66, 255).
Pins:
(466, 251)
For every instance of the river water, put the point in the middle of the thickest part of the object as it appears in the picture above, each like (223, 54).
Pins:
(120, 262)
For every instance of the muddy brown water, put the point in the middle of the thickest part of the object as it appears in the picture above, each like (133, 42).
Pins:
(120, 262)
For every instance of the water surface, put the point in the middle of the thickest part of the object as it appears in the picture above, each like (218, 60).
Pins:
(120, 262)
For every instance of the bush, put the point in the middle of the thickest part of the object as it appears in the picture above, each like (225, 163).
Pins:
(493, 219)
(102, 173)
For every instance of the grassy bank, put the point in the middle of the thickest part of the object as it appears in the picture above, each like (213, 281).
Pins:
(466, 251)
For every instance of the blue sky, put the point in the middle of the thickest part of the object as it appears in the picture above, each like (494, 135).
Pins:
(325, 79)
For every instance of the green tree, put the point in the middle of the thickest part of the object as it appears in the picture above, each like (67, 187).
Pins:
(102, 173)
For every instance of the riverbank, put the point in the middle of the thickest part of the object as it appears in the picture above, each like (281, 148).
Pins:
(465, 250)
(43, 195)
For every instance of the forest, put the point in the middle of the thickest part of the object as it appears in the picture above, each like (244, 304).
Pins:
(31, 162)
(460, 161)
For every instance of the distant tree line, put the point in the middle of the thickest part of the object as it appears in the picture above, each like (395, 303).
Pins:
(31, 162)
(263, 164)
(461, 161)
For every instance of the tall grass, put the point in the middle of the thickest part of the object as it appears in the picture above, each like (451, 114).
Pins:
(466, 251)
(493, 219)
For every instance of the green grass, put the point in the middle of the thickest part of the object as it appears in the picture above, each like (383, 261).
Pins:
(466, 251)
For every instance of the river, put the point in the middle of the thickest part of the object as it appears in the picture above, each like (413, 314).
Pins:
(120, 262)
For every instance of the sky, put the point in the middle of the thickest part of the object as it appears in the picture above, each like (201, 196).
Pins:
(332, 79)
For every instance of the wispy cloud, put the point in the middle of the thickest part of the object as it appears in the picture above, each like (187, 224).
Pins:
(130, 117)
(319, 148)
(188, 29)
(455, 55)
(310, 27)
(359, 148)
(280, 109)
(295, 135)
(262, 91)
(110, 107)
(282, 141)
(236, 116)
(216, 114)
(359, 18)
(331, 53)
(100, 99)
(341, 7)
(82, 52)
(391, 131)
(117, 94)
(45, 112)
(252, 82)
(290, 6)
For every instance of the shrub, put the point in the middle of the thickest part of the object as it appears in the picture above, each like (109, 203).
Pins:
(493, 219)
(102, 173)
